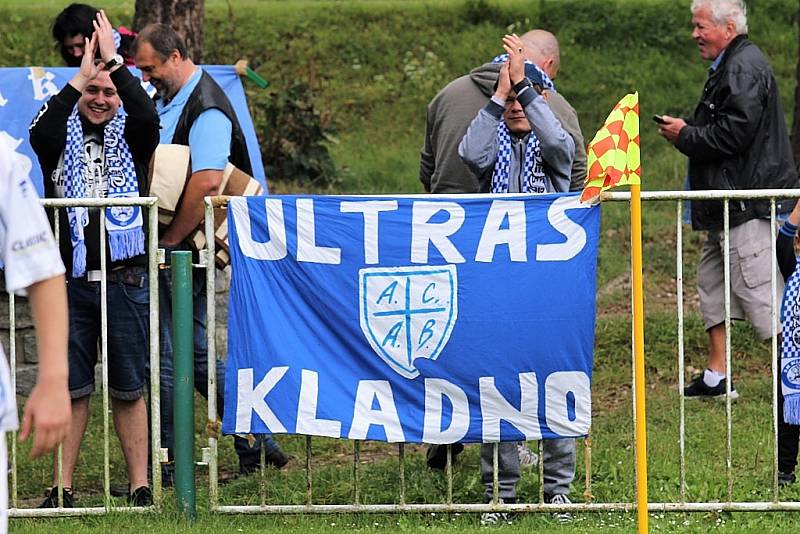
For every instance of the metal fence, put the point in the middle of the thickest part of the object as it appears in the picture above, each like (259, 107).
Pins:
(683, 505)
(210, 453)
(148, 203)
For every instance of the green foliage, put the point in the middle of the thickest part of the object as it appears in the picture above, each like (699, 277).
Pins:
(483, 12)
(371, 67)
(293, 139)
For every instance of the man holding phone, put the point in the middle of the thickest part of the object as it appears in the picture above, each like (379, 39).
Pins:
(735, 139)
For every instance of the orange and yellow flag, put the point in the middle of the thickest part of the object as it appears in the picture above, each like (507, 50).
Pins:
(613, 156)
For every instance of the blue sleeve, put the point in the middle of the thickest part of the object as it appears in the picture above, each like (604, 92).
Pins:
(210, 141)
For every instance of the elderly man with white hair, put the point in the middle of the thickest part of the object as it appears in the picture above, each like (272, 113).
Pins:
(735, 139)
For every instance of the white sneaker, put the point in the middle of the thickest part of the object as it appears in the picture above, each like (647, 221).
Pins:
(561, 517)
(527, 458)
(489, 519)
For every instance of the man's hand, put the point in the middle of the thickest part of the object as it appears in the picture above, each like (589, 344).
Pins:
(105, 36)
(794, 216)
(49, 412)
(516, 57)
(88, 70)
(503, 83)
(671, 128)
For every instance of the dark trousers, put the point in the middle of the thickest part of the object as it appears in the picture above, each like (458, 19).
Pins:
(248, 456)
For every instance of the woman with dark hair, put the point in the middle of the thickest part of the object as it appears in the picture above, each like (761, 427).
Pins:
(74, 24)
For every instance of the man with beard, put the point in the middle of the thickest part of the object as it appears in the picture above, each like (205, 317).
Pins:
(194, 111)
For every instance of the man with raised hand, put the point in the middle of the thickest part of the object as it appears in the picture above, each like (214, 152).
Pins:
(453, 108)
(88, 149)
(443, 171)
(515, 144)
(193, 111)
(735, 139)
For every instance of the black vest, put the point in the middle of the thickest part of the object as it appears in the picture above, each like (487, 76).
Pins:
(207, 95)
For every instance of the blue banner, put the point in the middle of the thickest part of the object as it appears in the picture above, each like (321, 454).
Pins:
(23, 91)
(411, 319)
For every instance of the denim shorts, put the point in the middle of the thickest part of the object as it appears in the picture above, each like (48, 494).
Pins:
(128, 315)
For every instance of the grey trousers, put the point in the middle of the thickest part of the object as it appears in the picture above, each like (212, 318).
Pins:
(559, 467)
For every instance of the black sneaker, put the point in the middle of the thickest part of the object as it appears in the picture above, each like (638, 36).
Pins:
(276, 458)
(51, 498)
(120, 490)
(437, 455)
(785, 479)
(698, 389)
(141, 497)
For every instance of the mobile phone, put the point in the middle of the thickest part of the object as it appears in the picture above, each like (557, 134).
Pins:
(659, 119)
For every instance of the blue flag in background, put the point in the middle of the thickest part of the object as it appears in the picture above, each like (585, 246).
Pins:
(24, 90)
(411, 319)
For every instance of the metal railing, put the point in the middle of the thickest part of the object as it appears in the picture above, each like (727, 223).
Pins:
(210, 454)
(449, 506)
(148, 203)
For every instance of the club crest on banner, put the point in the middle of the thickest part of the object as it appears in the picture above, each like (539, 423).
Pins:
(408, 312)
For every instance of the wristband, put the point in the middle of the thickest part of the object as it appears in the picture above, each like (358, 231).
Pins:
(115, 60)
(523, 84)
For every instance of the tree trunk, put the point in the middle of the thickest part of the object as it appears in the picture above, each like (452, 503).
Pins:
(186, 16)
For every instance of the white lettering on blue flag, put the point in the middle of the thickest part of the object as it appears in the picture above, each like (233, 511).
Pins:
(412, 319)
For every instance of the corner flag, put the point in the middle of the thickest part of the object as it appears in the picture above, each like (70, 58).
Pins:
(614, 155)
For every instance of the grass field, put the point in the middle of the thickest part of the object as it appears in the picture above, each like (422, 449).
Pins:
(373, 66)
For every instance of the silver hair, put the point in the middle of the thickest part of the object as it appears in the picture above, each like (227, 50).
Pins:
(724, 10)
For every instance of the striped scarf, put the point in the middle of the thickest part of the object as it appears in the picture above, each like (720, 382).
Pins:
(790, 349)
(535, 180)
(124, 223)
(547, 83)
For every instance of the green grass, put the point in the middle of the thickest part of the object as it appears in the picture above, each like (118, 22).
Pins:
(373, 66)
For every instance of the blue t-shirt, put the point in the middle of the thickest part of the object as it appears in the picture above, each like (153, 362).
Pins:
(210, 134)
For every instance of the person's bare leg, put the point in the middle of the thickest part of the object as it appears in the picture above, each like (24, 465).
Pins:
(716, 348)
(72, 443)
(130, 421)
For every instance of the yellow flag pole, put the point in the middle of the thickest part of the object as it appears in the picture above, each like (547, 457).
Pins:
(638, 345)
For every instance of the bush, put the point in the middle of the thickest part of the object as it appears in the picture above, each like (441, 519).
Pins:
(293, 139)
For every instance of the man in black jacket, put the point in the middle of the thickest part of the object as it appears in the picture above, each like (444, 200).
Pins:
(193, 111)
(87, 149)
(736, 139)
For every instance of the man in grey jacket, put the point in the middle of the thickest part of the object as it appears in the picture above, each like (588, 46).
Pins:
(515, 144)
(451, 110)
(443, 171)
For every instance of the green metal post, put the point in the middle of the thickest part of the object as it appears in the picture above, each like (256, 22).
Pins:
(183, 355)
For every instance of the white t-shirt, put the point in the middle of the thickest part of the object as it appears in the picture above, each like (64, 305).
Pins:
(27, 249)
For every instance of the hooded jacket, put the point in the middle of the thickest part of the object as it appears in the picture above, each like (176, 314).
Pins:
(449, 115)
(479, 148)
(737, 138)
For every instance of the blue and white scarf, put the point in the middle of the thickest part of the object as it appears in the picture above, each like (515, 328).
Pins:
(547, 83)
(533, 170)
(124, 223)
(790, 349)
